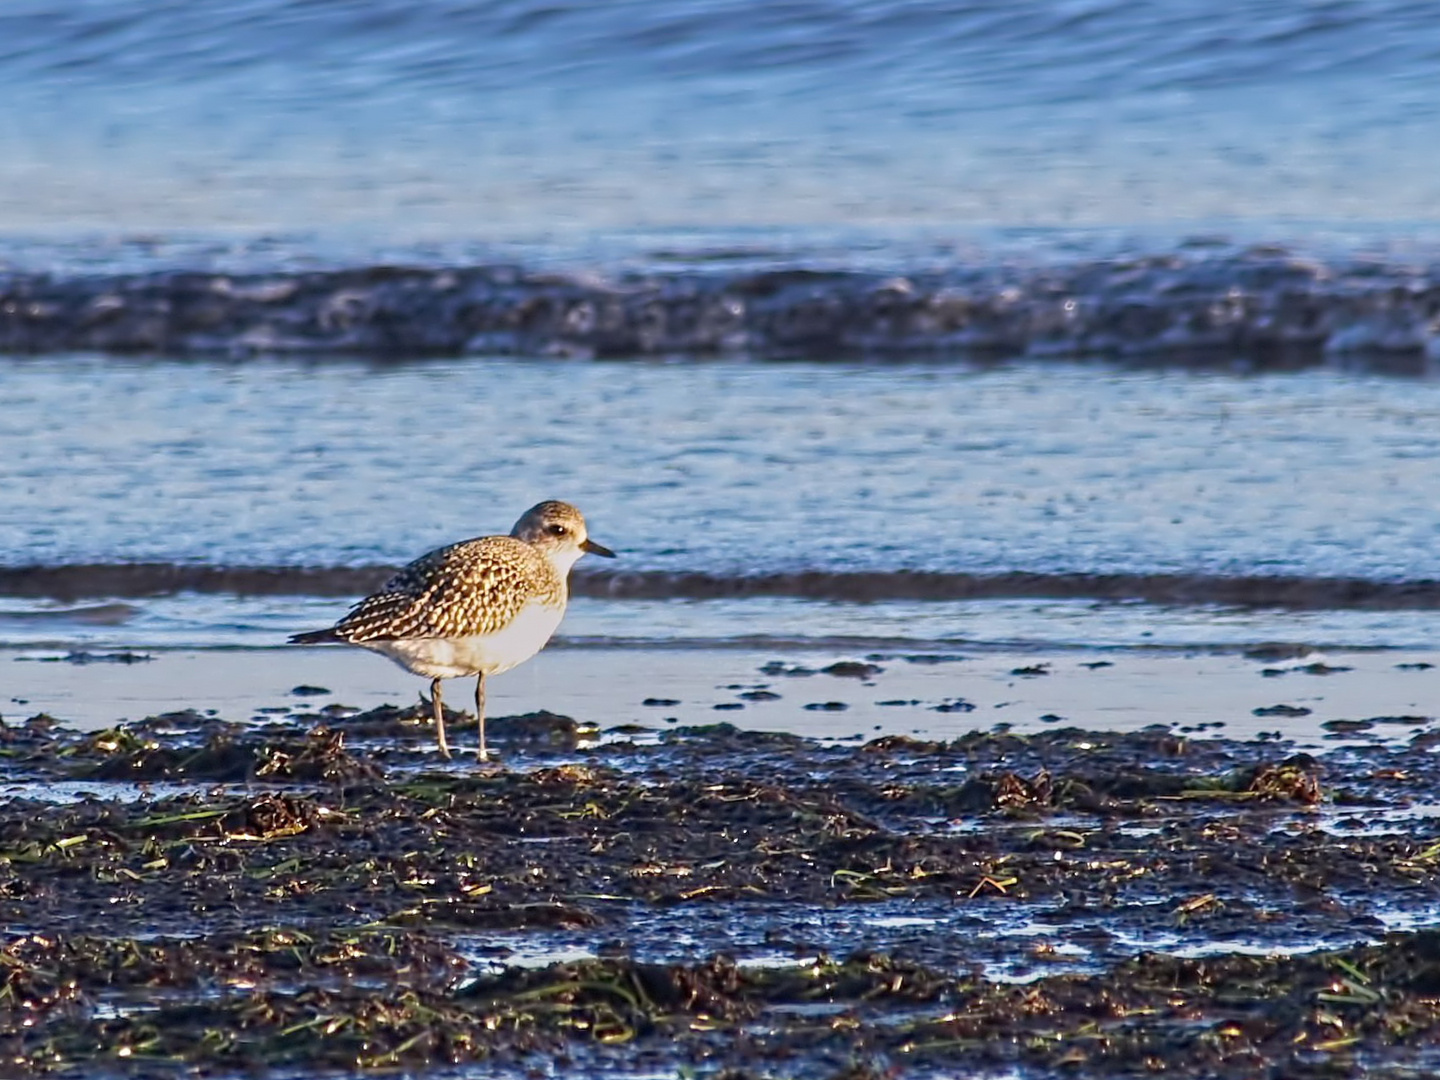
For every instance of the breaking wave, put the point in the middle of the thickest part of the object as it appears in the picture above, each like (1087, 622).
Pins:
(1256, 310)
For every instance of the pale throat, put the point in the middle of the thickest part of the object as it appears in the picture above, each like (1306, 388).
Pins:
(562, 559)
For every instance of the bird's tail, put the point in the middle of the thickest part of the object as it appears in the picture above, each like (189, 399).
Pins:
(315, 637)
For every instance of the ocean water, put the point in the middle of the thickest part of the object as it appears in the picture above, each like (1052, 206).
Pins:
(802, 291)
(731, 470)
(397, 121)
(728, 468)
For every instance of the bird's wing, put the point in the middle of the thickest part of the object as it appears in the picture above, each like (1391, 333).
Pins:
(468, 589)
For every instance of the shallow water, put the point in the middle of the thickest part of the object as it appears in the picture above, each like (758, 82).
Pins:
(727, 468)
(1320, 700)
(1004, 944)
(190, 620)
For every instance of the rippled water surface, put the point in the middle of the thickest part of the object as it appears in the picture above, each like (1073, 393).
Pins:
(936, 629)
(518, 115)
(728, 467)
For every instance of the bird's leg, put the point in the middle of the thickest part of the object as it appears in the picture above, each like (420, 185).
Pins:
(480, 713)
(439, 717)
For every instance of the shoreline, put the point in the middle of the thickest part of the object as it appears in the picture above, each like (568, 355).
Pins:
(923, 695)
(132, 581)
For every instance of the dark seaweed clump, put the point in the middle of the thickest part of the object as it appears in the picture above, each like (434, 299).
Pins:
(299, 900)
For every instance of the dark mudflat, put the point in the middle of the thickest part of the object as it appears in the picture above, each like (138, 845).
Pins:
(1069, 903)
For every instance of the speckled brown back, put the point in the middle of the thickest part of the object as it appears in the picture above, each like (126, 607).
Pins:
(468, 589)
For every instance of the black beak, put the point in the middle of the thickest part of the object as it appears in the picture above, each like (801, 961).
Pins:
(597, 549)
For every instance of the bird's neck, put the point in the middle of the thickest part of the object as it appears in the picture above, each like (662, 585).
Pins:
(561, 561)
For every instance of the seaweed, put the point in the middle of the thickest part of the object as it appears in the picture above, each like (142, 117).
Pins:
(315, 901)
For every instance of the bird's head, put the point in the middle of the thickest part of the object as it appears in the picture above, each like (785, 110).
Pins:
(558, 530)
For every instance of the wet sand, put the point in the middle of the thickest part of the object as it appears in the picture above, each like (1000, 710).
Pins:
(933, 696)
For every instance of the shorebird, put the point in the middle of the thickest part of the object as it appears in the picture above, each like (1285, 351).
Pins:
(478, 607)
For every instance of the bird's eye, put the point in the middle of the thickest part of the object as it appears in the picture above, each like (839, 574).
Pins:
(557, 530)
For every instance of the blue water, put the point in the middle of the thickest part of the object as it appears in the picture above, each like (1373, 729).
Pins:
(727, 468)
(904, 137)
(397, 121)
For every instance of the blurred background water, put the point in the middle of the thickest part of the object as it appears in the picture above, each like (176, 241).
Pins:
(399, 121)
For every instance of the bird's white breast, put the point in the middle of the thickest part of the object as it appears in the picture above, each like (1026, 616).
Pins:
(450, 658)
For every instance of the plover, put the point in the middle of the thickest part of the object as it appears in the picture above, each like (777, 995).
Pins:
(478, 607)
